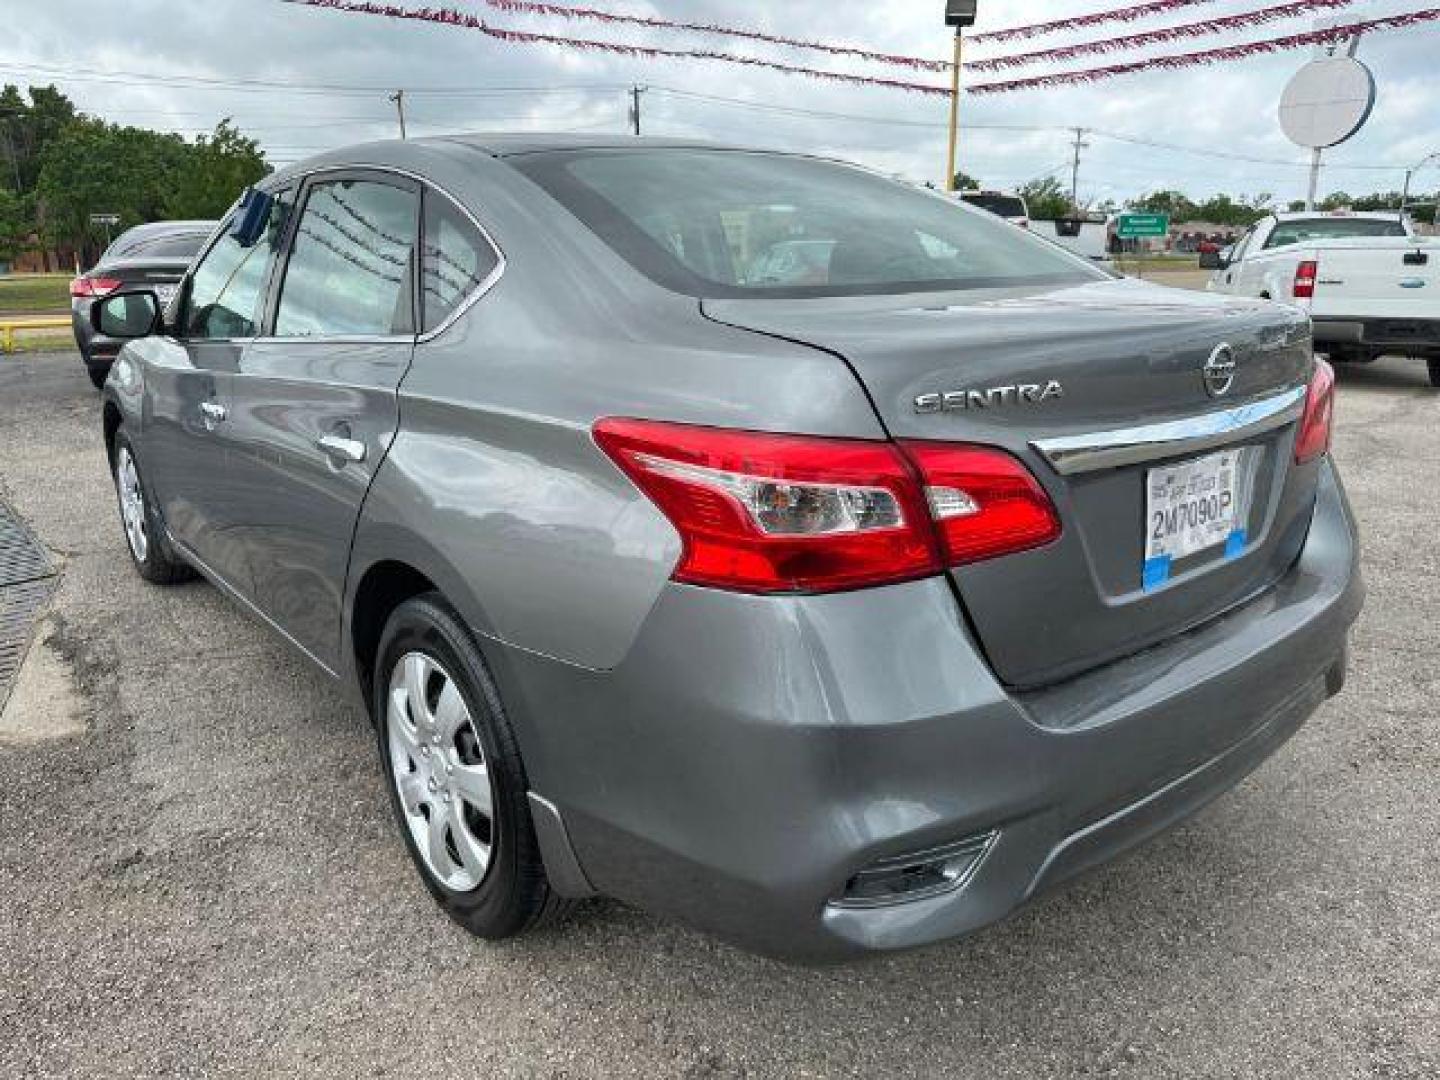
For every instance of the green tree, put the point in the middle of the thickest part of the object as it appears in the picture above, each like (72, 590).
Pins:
(1338, 200)
(215, 170)
(16, 217)
(27, 128)
(93, 167)
(965, 182)
(1173, 203)
(1047, 199)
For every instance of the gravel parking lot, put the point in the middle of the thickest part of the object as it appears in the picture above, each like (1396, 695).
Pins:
(198, 874)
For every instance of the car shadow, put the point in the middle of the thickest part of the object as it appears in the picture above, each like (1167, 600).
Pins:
(1387, 373)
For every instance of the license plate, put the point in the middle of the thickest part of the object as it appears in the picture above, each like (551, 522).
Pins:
(1196, 506)
(166, 293)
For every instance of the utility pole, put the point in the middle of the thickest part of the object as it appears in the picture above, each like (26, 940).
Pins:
(635, 92)
(959, 14)
(398, 97)
(1410, 175)
(1078, 145)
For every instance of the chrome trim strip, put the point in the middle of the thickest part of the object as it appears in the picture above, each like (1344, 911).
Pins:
(1071, 454)
(234, 594)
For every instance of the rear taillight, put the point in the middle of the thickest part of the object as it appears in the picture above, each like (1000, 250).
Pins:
(93, 286)
(767, 513)
(984, 502)
(1313, 438)
(1305, 275)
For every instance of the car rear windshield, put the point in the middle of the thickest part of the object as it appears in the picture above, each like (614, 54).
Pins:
(1006, 206)
(1332, 228)
(734, 224)
(183, 245)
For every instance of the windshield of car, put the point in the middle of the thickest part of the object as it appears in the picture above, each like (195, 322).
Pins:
(724, 223)
(1332, 228)
(1006, 206)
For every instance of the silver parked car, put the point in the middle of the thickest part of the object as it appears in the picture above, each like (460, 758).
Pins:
(832, 614)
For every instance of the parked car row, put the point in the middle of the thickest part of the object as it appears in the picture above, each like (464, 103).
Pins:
(1369, 283)
(765, 542)
(153, 256)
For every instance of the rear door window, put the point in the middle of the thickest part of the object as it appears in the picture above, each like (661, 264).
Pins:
(456, 260)
(351, 262)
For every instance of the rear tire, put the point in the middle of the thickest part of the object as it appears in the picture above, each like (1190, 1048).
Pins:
(144, 534)
(98, 373)
(447, 751)
(1434, 365)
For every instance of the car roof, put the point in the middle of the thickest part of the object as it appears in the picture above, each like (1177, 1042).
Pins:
(156, 227)
(511, 144)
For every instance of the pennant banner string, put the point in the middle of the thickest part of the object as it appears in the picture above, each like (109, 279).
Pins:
(451, 17)
(1142, 38)
(1096, 18)
(529, 7)
(1210, 56)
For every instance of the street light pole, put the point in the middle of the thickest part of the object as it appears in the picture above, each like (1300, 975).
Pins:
(951, 182)
(959, 14)
(398, 97)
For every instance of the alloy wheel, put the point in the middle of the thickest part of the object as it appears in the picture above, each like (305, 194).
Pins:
(132, 503)
(440, 772)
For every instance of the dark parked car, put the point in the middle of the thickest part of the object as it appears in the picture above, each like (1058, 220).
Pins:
(152, 256)
(834, 614)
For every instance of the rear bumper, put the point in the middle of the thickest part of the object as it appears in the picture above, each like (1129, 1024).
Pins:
(1415, 337)
(750, 755)
(95, 349)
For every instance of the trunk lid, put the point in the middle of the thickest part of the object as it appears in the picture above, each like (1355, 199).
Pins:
(1042, 373)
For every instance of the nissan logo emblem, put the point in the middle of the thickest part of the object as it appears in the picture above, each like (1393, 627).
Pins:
(1219, 371)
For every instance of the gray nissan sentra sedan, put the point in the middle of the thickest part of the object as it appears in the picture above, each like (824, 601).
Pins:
(748, 536)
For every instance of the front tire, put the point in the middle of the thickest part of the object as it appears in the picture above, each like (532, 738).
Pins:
(457, 783)
(144, 535)
(1434, 365)
(98, 373)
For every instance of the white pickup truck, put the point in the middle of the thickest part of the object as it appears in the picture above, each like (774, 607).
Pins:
(1370, 284)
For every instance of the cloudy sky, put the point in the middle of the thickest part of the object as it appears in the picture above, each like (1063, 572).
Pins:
(302, 80)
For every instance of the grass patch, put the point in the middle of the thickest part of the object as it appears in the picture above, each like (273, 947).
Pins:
(34, 294)
(34, 341)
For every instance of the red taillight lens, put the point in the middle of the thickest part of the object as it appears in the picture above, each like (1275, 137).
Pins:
(1305, 275)
(787, 513)
(93, 286)
(778, 513)
(984, 502)
(1313, 438)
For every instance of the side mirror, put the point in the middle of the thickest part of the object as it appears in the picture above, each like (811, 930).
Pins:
(1212, 260)
(126, 315)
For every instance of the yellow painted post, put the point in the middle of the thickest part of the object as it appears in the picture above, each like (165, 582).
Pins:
(950, 170)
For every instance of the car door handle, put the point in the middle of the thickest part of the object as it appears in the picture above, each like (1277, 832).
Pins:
(342, 449)
(213, 412)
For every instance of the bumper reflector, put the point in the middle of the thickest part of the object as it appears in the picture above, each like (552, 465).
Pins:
(916, 876)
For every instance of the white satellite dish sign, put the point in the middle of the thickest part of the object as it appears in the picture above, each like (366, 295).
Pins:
(1327, 102)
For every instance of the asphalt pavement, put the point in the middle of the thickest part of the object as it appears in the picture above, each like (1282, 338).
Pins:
(199, 875)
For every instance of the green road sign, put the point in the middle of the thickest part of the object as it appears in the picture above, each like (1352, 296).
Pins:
(1142, 226)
